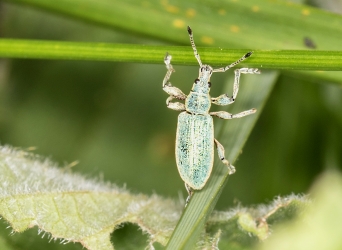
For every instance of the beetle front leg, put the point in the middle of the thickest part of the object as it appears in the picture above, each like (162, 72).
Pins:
(220, 151)
(171, 90)
(225, 99)
(226, 115)
(170, 70)
(167, 86)
(174, 105)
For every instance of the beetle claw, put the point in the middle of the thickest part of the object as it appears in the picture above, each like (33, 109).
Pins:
(231, 169)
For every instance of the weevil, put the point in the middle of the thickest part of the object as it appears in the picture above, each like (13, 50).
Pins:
(195, 129)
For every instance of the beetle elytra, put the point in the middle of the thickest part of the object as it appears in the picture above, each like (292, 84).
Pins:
(195, 131)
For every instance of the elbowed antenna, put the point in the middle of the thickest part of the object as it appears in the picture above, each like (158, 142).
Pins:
(223, 69)
(234, 63)
(194, 46)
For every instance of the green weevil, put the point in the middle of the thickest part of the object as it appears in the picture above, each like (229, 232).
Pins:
(195, 130)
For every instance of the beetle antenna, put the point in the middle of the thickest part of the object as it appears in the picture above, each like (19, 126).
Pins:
(194, 46)
(234, 63)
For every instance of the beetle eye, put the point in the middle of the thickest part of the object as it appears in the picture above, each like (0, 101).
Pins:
(209, 84)
(197, 80)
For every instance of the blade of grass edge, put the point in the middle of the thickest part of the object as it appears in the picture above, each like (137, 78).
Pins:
(263, 59)
(232, 136)
(261, 19)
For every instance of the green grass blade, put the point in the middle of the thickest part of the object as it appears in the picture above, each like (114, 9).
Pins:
(260, 24)
(264, 59)
(232, 134)
(257, 24)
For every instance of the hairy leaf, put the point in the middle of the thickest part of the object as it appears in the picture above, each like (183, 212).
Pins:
(66, 206)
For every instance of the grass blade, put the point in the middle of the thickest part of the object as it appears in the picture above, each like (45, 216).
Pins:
(271, 24)
(266, 59)
(232, 136)
(257, 24)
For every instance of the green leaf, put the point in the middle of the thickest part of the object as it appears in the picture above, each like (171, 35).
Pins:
(271, 24)
(33, 192)
(256, 24)
(246, 226)
(69, 207)
(283, 59)
(232, 136)
(320, 225)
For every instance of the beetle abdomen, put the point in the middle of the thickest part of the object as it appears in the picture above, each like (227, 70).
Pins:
(195, 148)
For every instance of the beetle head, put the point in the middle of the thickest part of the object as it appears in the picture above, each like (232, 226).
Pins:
(202, 83)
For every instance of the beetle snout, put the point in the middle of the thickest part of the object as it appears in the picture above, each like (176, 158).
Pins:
(206, 68)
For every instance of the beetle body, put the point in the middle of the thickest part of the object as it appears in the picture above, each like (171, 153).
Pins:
(195, 130)
(195, 134)
(195, 148)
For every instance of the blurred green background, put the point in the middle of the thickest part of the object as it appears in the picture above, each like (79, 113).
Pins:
(112, 117)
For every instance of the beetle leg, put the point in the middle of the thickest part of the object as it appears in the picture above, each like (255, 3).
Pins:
(226, 115)
(220, 151)
(225, 99)
(167, 86)
(174, 105)
(190, 192)
(222, 100)
(238, 72)
(170, 70)
(174, 92)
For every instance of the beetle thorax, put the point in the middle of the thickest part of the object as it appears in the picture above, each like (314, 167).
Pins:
(198, 101)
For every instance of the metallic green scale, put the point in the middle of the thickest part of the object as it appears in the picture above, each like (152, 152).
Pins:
(195, 131)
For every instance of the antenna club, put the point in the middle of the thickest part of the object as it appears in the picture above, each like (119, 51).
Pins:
(249, 54)
(189, 30)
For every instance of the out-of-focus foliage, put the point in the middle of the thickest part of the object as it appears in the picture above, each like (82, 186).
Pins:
(319, 225)
(70, 208)
(67, 207)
